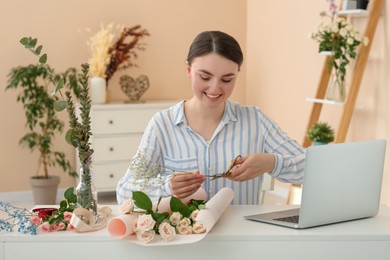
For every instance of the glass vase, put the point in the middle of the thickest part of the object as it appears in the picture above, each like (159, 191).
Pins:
(336, 89)
(85, 191)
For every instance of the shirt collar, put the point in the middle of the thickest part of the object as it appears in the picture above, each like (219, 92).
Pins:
(230, 113)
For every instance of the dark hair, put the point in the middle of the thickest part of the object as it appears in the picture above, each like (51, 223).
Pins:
(218, 42)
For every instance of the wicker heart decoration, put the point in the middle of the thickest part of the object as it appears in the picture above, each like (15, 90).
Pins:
(134, 89)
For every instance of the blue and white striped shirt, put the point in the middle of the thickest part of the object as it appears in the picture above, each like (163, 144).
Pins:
(170, 142)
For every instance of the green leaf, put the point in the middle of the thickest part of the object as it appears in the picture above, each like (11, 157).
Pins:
(69, 137)
(142, 201)
(70, 196)
(43, 59)
(24, 41)
(38, 49)
(160, 217)
(60, 85)
(33, 42)
(63, 204)
(176, 204)
(60, 105)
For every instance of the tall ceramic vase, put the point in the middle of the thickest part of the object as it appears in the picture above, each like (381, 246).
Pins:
(98, 87)
(85, 191)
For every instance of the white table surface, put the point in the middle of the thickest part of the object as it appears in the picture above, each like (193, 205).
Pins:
(232, 237)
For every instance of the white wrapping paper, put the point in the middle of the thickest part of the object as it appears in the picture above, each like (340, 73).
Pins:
(209, 216)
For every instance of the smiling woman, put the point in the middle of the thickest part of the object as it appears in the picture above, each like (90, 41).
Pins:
(202, 135)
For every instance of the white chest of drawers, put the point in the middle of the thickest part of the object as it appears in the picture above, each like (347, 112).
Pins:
(116, 133)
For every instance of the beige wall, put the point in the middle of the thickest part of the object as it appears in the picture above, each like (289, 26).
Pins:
(283, 68)
(172, 25)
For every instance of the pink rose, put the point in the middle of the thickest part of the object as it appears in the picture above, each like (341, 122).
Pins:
(35, 220)
(61, 226)
(54, 228)
(198, 228)
(166, 231)
(175, 218)
(146, 236)
(194, 214)
(145, 222)
(184, 229)
(71, 227)
(45, 227)
(67, 215)
(127, 207)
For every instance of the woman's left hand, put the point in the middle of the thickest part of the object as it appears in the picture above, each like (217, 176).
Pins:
(252, 165)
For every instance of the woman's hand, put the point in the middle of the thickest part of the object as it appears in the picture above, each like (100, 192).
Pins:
(253, 165)
(184, 184)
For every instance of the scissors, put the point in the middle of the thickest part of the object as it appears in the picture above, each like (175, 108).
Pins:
(228, 172)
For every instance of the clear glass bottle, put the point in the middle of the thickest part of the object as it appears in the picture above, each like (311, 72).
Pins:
(85, 191)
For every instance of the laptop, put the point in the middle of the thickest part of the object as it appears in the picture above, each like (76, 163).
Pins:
(342, 182)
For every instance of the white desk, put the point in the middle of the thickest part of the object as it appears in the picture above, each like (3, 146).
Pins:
(231, 238)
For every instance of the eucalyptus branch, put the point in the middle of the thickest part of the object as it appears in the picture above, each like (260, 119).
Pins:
(80, 132)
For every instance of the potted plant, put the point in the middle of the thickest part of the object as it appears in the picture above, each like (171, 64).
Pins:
(42, 123)
(79, 132)
(320, 133)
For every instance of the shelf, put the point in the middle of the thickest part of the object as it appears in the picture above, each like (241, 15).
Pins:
(324, 101)
(329, 102)
(326, 53)
(355, 13)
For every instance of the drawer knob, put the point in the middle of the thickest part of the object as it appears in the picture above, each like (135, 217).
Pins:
(111, 176)
(111, 122)
(111, 149)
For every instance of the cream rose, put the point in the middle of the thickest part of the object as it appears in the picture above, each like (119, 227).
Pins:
(198, 228)
(127, 207)
(175, 218)
(185, 222)
(184, 229)
(145, 222)
(194, 214)
(146, 236)
(167, 232)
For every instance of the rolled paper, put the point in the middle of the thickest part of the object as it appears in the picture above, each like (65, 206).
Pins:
(215, 208)
(200, 194)
(122, 225)
(164, 205)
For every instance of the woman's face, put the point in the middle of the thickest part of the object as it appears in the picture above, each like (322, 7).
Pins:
(213, 78)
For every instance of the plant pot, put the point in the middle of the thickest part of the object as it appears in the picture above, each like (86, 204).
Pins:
(45, 190)
(318, 143)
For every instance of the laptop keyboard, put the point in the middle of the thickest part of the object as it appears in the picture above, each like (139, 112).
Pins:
(291, 219)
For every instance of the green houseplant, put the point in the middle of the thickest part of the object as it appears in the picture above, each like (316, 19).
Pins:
(321, 133)
(79, 132)
(42, 123)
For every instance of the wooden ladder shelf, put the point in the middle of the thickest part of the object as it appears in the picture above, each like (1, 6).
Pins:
(375, 7)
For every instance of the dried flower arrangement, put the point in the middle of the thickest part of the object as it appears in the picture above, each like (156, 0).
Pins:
(107, 58)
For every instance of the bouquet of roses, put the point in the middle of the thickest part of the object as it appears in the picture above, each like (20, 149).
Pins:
(149, 221)
(59, 219)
